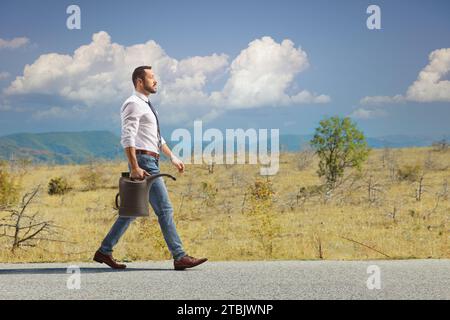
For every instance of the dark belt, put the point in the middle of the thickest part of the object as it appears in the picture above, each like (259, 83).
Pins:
(150, 153)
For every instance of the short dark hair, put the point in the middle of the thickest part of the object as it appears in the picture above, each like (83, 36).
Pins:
(139, 73)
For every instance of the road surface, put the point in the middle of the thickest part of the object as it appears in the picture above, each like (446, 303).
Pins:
(409, 279)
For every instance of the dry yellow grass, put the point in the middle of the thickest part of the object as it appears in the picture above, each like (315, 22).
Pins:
(228, 226)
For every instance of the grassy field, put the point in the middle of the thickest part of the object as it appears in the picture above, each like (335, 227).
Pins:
(236, 214)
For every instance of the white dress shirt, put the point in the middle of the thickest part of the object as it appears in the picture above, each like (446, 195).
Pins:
(139, 128)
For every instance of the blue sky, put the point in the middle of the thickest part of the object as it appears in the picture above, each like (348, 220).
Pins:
(334, 59)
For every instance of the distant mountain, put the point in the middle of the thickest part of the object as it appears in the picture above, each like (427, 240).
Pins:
(80, 147)
(61, 147)
(294, 142)
(403, 141)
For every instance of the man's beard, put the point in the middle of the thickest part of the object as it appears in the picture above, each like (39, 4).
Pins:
(149, 89)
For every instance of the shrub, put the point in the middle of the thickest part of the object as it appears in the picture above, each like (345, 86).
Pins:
(93, 176)
(409, 172)
(262, 189)
(263, 222)
(209, 193)
(441, 145)
(58, 185)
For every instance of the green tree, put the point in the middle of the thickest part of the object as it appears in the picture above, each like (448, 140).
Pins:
(339, 145)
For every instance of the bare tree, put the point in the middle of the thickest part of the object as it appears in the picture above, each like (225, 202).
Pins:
(386, 156)
(444, 191)
(421, 187)
(374, 188)
(211, 167)
(305, 157)
(26, 230)
(394, 210)
(212, 162)
(390, 162)
(439, 196)
(319, 246)
(227, 206)
(244, 200)
(429, 163)
(234, 178)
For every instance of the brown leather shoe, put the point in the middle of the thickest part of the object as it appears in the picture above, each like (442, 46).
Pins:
(187, 262)
(108, 259)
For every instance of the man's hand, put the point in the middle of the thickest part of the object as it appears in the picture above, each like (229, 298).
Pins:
(177, 163)
(138, 173)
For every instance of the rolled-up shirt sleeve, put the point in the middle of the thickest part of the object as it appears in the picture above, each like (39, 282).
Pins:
(163, 142)
(130, 123)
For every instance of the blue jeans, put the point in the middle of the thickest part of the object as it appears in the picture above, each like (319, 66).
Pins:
(160, 202)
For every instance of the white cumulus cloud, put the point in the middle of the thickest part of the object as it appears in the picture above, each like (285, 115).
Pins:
(430, 85)
(366, 114)
(261, 74)
(14, 43)
(99, 74)
(379, 100)
(4, 75)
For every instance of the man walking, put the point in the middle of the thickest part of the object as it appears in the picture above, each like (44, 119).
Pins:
(142, 142)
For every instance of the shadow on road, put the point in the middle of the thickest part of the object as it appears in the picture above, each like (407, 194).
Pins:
(82, 270)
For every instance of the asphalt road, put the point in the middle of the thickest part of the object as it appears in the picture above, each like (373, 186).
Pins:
(410, 279)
